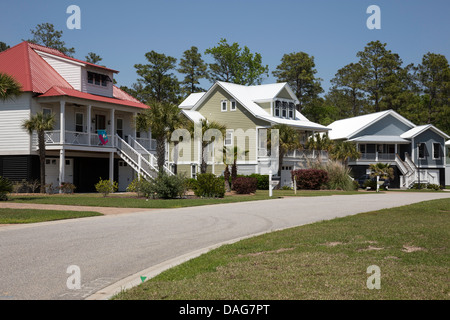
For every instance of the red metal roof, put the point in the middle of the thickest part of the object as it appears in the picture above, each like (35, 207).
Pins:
(120, 97)
(36, 75)
(29, 69)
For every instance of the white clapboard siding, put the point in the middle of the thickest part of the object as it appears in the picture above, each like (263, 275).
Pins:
(69, 70)
(96, 89)
(13, 138)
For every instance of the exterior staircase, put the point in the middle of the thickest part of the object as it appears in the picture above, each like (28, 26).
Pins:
(411, 173)
(139, 158)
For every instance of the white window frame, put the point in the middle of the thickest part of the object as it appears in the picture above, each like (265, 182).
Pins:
(229, 139)
(222, 104)
(194, 171)
(233, 105)
(418, 150)
(439, 149)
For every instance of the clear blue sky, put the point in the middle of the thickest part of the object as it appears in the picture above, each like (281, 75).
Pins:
(332, 31)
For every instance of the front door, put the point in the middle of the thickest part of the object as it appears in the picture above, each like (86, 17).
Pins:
(125, 175)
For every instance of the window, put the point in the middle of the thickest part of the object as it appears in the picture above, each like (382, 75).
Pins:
(362, 148)
(194, 171)
(46, 111)
(421, 147)
(78, 122)
(284, 110)
(291, 110)
(277, 108)
(119, 127)
(98, 79)
(232, 105)
(223, 105)
(436, 151)
(229, 138)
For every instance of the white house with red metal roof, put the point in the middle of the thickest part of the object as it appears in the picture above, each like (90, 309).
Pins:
(88, 108)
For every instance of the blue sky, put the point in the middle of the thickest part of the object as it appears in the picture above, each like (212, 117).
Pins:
(332, 31)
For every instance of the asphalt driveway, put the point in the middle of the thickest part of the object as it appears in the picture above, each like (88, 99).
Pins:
(113, 251)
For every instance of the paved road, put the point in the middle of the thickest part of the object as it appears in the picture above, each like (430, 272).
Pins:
(35, 258)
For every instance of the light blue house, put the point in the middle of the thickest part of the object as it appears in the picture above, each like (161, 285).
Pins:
(417, 153)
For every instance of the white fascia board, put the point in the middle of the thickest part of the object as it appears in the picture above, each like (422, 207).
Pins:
(61, 58)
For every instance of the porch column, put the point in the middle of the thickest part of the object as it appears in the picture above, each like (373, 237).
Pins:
(62, 167)
(89, 123)
(113, 133)
(111, 166)
(396, 149)
(62, 122)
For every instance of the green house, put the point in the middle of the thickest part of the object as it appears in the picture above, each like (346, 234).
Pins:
(247, 112)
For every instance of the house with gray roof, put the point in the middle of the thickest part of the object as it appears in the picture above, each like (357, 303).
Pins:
(417, 153)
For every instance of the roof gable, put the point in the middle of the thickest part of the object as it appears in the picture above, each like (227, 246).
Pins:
(420, 129)
(350, 127)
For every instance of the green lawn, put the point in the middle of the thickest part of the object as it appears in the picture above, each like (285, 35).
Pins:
(13, 216)
(324, 260)
(126, 201)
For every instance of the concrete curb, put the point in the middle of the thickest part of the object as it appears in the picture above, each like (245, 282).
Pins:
(135, 279)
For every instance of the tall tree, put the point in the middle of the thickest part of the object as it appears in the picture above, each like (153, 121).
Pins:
(40, 123)
(381, 78)
(3, 46)
(298, 70)
(235, 64)
(46, 35)
(195, 69)
(156, 79)
(349, 80)
(93, 58)
(433, 76)
(9, 87)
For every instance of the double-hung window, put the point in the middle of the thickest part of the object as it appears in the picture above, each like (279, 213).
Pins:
(421, 147)
(436, 151)
(223, 105)
(232, 105)
(228, 138)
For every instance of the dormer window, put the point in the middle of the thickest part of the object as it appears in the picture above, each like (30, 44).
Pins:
(98, 79)
(284, 109)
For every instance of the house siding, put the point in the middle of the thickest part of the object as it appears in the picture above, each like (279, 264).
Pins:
(69, 71)
(387, 126)
(13, 138)
(241, 119)
(429, 137)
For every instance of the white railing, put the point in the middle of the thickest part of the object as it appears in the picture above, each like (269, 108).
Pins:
(135, 159)
(148, 144)
(150, 157)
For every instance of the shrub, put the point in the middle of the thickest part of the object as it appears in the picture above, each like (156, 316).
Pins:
(371, 184)
(167, 186)
(245, 185)
(5, 188)
(310, 179)
(262, 181)
(191, 183)
(338, 175)
(208, 185)
(25, 186)
(427, 186)
(105, 187)
(67, 187)
(137, 185)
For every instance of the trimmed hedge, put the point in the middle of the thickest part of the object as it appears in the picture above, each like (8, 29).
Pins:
(245, 185)
(208, 185)
(310, 179)
(262, 181)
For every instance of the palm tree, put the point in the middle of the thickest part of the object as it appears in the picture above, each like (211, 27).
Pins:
(382, 170)
(344, 150)
(289, 140)
(237, 153)
(40, 123)
(319, 142)
(162, 118)
(205, 126)
(9, 87)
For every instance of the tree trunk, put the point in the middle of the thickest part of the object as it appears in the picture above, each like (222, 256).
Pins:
(41, 143)
(226, 175)
(161, 153)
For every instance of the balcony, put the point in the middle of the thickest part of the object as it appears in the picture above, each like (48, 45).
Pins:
(85, 139)
(377, 156)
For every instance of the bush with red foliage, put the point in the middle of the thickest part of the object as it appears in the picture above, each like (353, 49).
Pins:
(245, 185)
(310, 179)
